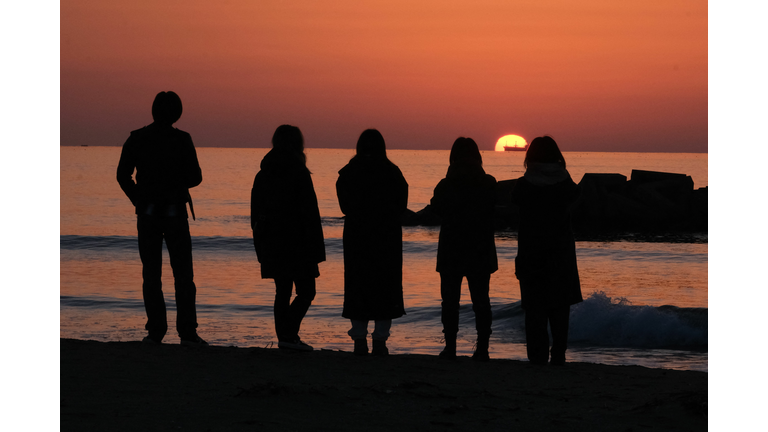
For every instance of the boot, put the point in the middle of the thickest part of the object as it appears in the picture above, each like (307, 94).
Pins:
(361, 347)
(380, 348)
(449, 352)
(481, 349)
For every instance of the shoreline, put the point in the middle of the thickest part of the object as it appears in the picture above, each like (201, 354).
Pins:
(131, 386)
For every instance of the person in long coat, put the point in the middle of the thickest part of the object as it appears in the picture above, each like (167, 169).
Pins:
(465, 201)
(373, 195)
(287, 232)
(546, 260)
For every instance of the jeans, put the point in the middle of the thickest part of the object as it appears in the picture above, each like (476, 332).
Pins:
(288, 315)
(175, 230)
(450, 291)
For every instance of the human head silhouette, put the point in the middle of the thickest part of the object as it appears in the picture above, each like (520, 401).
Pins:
(465, 152)
(288, 138)
(371, 143)
(544, 149)
(166, 109)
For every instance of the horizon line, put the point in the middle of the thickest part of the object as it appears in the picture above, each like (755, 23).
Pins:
(396, 148)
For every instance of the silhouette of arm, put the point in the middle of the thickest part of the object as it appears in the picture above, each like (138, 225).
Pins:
(125, 169)
(403, 195)
(315, 226)
(194, 175)
(256, 195)
(343, 194)
(438, 203)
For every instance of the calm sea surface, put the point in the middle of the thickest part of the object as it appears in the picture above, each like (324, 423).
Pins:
(646, 302)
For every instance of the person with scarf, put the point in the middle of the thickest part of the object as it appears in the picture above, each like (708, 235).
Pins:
(465, 201)
(546, 260)
(287, 232)
(373, 195)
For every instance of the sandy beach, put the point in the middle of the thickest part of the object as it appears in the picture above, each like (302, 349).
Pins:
(129, 386)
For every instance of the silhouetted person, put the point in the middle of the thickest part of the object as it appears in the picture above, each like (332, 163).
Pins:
(373, 194)
(465, 201)
(287, 232)
(166, 167)
(546, 260)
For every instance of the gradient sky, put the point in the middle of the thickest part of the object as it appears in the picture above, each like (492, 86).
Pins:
(597, 75)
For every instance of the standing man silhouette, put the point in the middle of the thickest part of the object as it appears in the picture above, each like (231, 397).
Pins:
(166, 166)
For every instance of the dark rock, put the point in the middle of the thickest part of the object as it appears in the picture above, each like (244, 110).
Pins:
(642, 176)
(649, 203)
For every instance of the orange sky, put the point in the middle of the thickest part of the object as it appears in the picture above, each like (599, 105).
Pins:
(597, 75)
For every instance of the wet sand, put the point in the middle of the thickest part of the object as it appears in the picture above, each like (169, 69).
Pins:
(129, 386)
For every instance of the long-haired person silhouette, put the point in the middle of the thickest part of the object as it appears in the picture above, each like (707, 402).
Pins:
(373, 195)
(465, 200)
(287, 232)
(546, 259)
(166, 166)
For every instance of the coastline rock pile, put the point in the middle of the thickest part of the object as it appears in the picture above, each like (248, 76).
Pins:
(650, 202)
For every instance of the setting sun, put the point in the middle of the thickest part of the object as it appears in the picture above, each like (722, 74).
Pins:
(514, 142)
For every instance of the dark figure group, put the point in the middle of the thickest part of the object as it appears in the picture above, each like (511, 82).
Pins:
(373, 195)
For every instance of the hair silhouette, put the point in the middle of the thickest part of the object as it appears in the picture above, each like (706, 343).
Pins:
(544, 149)
(166, 108)
(371, 143)
(465, 152)
(289, 138)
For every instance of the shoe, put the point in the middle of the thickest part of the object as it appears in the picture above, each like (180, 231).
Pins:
(380, 348)
(557, 361)
(448, 354)
(296, 344)
(481, 350)
(150, 341)
(361, 347)
(196, 341)
(481, 355)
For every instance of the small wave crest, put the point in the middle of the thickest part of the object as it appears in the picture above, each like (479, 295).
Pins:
(603, 321)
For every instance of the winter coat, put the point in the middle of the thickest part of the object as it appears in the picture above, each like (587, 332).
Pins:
(465, 201)
(546, 260)
(287, 231)
(373, 195)
(166, 167)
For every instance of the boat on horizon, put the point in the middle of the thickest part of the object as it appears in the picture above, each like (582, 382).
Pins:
(514, 148)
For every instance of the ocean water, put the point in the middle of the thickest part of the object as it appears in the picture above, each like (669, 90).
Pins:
(646, 302)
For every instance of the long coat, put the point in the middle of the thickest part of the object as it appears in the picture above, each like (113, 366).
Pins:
(373, 195)
(287, 232)
(546, 260)
(465, 201)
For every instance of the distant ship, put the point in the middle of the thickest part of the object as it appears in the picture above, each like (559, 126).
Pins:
(512, 148)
